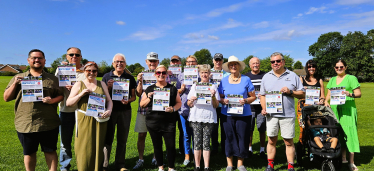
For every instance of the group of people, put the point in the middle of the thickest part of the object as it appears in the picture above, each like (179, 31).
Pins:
(38, 123)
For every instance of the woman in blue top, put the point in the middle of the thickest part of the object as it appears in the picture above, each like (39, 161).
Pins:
(236, 125)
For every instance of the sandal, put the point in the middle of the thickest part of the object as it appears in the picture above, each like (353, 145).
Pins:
(344, 161)
(352, 167)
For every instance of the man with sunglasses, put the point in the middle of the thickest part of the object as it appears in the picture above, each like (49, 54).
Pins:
(121, 114)
(256, 77)
(67, 114)
(36, 122)
(218, 61)
(140, 126)
(289, 84)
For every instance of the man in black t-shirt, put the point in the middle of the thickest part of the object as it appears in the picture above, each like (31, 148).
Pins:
(121, 114)
(256, 77)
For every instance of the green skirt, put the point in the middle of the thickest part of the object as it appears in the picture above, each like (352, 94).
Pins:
(347, 116)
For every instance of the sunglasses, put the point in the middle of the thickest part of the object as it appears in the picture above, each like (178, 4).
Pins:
(337, 67)
(93, 71)
(159, 73)
(76, 55)
(174, 60)
(311, 66)
(278, 61)
(218, 60)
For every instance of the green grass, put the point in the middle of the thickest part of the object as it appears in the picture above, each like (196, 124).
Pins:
(11, 157)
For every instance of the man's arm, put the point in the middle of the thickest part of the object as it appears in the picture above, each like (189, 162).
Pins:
(298, 94)
(10, 92)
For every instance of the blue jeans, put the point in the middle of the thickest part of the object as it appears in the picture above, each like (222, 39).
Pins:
(66, 134)
(187, 132)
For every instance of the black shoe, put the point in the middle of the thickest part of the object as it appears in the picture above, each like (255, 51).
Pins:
(269, 168)
(197, 169)
(207, 169)
(323, 149)
(263, 155)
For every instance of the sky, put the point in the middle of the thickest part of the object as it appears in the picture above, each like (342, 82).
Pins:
(102, 28)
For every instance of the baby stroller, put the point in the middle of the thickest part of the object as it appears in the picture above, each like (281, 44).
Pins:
(330, 160)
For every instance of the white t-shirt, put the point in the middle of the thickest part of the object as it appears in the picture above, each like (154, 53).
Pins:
(200, 112)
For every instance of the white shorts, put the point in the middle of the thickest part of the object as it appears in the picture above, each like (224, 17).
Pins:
(140, 125)
(286, 125)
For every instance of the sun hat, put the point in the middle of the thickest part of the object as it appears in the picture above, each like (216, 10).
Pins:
(225, 66)
(152, 56)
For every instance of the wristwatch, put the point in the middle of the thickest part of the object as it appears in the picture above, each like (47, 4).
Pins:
(291, 92)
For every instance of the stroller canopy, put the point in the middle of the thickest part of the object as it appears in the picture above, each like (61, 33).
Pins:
(324, 111)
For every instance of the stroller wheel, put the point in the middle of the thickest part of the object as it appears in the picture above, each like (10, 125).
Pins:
(299, 154)
(327, 165)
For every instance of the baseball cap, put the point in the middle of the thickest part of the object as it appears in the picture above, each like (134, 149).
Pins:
(152, 56)
(175, 57)
(218, 56)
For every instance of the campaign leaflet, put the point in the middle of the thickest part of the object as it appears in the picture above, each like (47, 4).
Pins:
(217, 76)
(120, 89)
(203, 94)
(190, 74)
(234, 105)
(32, 89)
(176, 70)
(148, 78)
(257, 101)
(67, 75)
(274, 102)
(161, 98)
(312, 95)
(337, 98)
(95, 105)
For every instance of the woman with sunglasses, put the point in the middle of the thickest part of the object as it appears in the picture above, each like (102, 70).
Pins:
(202, 118)
(162, 123)
(313, 79)
(346, 113)
(90, 131)
(237, 126)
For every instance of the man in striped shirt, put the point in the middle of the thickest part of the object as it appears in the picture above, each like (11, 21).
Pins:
(256, 77)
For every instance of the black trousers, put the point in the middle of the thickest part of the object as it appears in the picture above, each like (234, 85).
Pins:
(169, 138)
(214, 138)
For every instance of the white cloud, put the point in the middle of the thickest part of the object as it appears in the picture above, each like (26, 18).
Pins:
(120, 23)
(213, 37)
(354, 2)
(263, 24)
(149, 33)
(360, 15)
(314, 9)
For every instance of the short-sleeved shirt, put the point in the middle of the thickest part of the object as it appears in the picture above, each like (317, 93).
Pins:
(202, 112)
(185, 109)
(37, 116)
(270, 82)
(256, 81)
(62, 105)
(242, 88)
(117, 105)
(317, 133)
(161, 120)
(350, 83)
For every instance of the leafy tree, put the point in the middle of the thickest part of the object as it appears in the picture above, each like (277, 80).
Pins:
(135, 69)
(298, 65)
(326, 51)
(356, 50)
(104, 68)
(246, 61)
(165, 62)
(204, 57)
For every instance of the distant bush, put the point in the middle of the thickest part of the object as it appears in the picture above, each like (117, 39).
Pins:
(7, 73)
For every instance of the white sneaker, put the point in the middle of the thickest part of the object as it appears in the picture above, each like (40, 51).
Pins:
(139, 164)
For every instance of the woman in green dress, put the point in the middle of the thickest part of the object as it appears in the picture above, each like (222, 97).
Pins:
(90, 131)
(346, 113)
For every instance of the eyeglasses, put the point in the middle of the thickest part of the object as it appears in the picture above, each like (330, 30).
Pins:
(121, 62)
(311, 66)
(190, 62)
(76, 55)
(159, 73)
(337, 67)
(35, 58)
(278, 61)
(93, 71)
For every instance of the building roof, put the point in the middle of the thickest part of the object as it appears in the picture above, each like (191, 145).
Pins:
(16, 68)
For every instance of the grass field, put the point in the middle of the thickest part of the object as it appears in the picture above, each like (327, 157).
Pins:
(11, 157)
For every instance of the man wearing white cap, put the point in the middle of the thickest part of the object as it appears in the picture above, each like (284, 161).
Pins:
(140, 127)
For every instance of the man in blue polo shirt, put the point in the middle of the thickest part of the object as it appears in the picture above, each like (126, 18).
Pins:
(121, 114)
(287, 82)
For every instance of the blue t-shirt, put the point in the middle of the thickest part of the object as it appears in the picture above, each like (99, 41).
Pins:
(317, 133)
(242, 88)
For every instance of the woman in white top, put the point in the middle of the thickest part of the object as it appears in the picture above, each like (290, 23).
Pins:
(203, 116)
